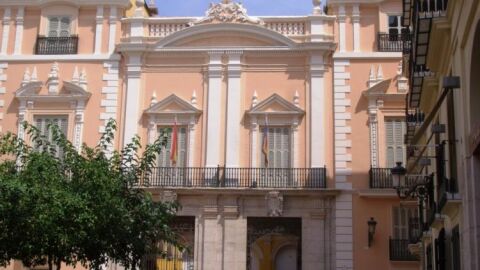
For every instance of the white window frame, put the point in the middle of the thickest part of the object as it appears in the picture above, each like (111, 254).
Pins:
(290, 145)
(186, 158)
(399, 27)
(387, 145)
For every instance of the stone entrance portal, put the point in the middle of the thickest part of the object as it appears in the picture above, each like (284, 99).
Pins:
(274, 243)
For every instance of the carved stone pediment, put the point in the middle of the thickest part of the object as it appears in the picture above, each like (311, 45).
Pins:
(227, 12)
(173, 105)
(274, 201)
(276, 105)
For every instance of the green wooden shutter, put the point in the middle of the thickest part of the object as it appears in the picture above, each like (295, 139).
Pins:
(182, 147)
(42, 122)
(164, 156)
(278, 148)
(401, 217)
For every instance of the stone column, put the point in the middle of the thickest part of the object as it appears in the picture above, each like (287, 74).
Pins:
(341, 28)
(234, 117)
(356, 27)
(373, 126)
(318, 108)
(235, 236)
(79, 107)
(253, 143)
(132, 106)
(211, 236)
(6, 29)
(19, 30)
(314, 253)
(112, 29)
(214, 109)
(99, 30)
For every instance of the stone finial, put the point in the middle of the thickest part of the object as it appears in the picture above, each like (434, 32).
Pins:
(296, 99)
(34, 76)
(194, 98)
(26, 77)
(54, 71)
(153, 100)
(317, 10)
(76, 76)
(226, 2)
(380, 73)
(254, 99)
(83, 79)
(372, 73)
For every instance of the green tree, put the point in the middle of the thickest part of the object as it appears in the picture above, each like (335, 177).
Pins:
(58, 205)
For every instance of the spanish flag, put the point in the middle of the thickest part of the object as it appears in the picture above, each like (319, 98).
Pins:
(265, 145)
(173, 147)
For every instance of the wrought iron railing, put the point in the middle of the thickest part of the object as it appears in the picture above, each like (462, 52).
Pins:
(164, 261)
(399, 250)
(447, 187)
(382, 178)
(394, 42)
(221, 177)
(57, 45)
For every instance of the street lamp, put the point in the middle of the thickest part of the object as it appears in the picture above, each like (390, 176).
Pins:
(371, 230)
(398, 175)
(404, 189)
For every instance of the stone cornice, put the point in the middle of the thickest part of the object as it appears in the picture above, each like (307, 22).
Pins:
(78, 3)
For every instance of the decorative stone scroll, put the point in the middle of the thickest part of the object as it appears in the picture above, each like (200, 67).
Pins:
(227, 12)
(274, 200)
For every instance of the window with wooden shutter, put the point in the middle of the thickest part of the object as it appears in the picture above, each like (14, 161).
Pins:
(278, 147)
(395, 148)
(59, 26)
(42, 122)
(164, 156)
(401, 216)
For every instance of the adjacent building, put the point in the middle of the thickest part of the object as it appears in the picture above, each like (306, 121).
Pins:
(287, 126)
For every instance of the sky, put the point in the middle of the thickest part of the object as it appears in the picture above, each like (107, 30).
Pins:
(254, 7)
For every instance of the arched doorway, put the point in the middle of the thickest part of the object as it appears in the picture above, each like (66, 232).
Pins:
(286, 258)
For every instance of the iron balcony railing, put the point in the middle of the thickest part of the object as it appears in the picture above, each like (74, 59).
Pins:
(399, 250)
(221, 177)
(57, 45)
(382, 178)
(167, 261)
(394, 42)
(446, 188)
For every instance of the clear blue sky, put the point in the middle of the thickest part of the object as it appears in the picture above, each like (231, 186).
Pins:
(254, 7)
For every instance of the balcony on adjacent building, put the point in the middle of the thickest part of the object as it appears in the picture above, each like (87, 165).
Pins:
(394, 42)
(414, 230)
(221, 177)
(399, 250)
(56, 45)
(382, 178)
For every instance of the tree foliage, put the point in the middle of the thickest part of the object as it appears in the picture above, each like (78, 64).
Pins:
(58, 204)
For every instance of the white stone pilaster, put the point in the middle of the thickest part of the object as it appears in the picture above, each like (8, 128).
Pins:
(110, 92)
(19, 30)
(343, 232)
(342, 117)
(99, 30)
(112, 29)
(214, 109)
(373, 126)
(235, 240)
(253, 143)
(132, 108)
(356, 27)
(191, 144)
(78, 128)
(318, 109)
(296, 145)
(233, 123)
(317, 29)
(341, 25)
(314, 231)
(6, 29)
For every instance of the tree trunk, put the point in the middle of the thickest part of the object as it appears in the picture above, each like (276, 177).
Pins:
(59, 264)
(50, 263)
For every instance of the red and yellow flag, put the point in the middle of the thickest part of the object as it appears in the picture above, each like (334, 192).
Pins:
(265, 145)
(173, 147)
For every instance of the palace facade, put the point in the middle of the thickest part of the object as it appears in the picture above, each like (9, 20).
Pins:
(287, 126)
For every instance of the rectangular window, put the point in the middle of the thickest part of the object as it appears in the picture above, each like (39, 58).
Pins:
(278, 147)
(42, 122)
(395, 25)
(395, 130)
(59, 26)
(401, 217)
(164, 157)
